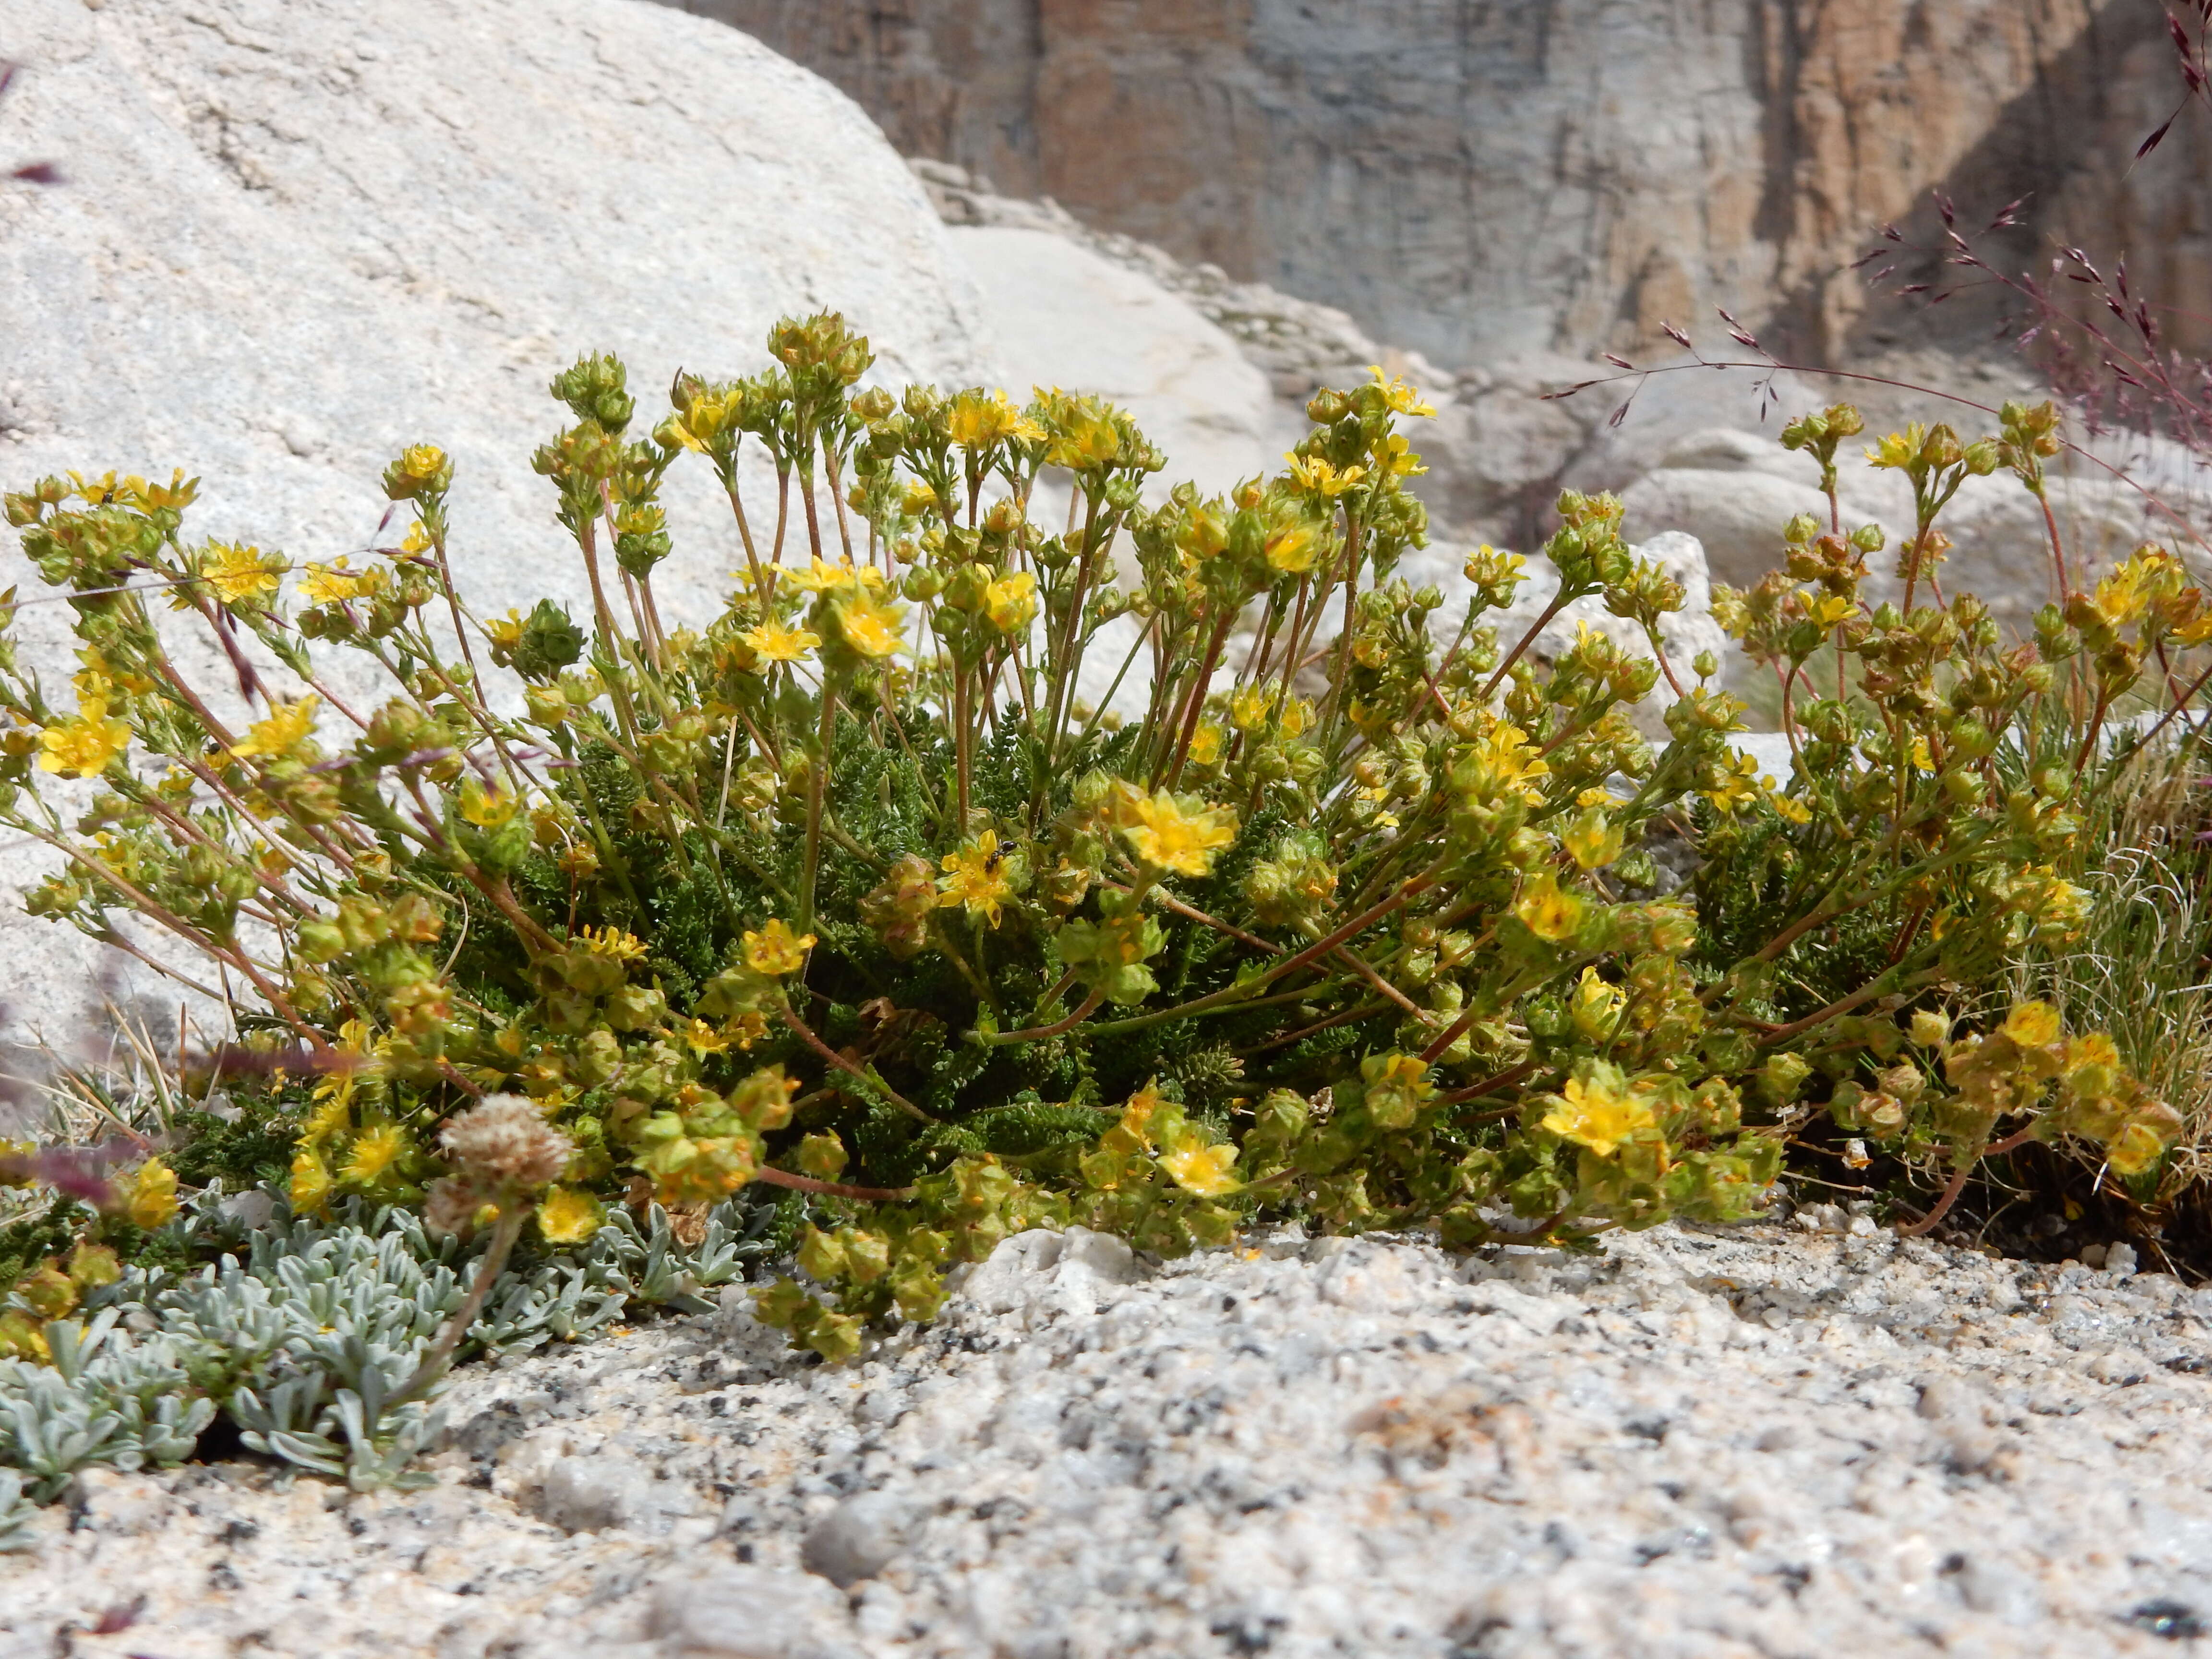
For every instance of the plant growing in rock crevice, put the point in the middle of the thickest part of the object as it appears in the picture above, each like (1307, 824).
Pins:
(854, 893)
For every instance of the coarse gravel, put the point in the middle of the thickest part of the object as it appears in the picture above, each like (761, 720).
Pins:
(1761, 1442)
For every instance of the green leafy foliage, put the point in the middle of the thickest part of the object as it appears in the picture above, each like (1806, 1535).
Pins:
(856, 893)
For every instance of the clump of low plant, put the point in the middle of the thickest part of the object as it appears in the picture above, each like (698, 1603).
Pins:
(853, 893)
(306, 1334)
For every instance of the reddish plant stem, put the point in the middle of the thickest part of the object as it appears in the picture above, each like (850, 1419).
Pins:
(1957, 1184)
(833, 1189)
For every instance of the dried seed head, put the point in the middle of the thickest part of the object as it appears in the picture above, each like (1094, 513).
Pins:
(507, 1138)
(450, 1207)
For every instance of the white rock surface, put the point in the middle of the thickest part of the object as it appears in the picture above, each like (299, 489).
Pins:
(1736, 489)
(1299, 344)
(1063, 315)
(1765, 1442)
(296, 235)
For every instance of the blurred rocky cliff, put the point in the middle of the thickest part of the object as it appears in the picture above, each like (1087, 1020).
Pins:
(1480, 178)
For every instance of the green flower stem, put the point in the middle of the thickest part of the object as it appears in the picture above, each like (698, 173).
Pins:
(940, 935)
(1098, 713)
(833, 1189)
(1242, 992)
(761, 585)
(1063, 662)
(807, 1034)
(438, 1357)
(1504, 1079)
(1039, 1033)
(1957, 1184)
(1341, 678)
(114, 938)
(1146, 887)
(1495, 1000)
(1195, 705)
(452, 596)
(1560, 600)
(782, 520)
(817, 784)
(587, 542)
(1343, 1017)
(275, 886)
(1877, 987)
(837, 493)
(198, 938)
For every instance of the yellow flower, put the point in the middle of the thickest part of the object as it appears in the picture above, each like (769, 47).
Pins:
(1316, 472)
(1898, 449)
(334, 1116)
(417, 540)
(2135, 1148)
(705, 419)
(1297, 715)
(152, 1198)
(2033, 1024)
(1790, 807)
(1395, 458)
(311, 1182)
(566, 1216)
(1828, 609)
(1591, 842)
(1396, 1086)
(374, 1151)
(2137, 584)
(486, 809)
(776, 951)
(1292, 549)
(1600, 1114)
(1178, 833)
(1515, 762)
(1398, 394)
(134, 491)
(976, 876)
(86, 746)
(422, 460)
(1206, 744)
(1739, 786)
(820, 578)
(1086, 436)
(613, 942)
(282, 732)
(1545, 911)
(1488, 567)
(1010, 602)
(1249, 707)
(2091, 1048)
(778, 641)
(869, 625)
(331, 584)
(1138, 1112)
(1206, 1170)
(978, 419)
(1597, 1005)
(703, 1039)
(240, 575)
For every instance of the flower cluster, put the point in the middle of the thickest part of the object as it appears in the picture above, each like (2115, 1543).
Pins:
(1162, 861)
